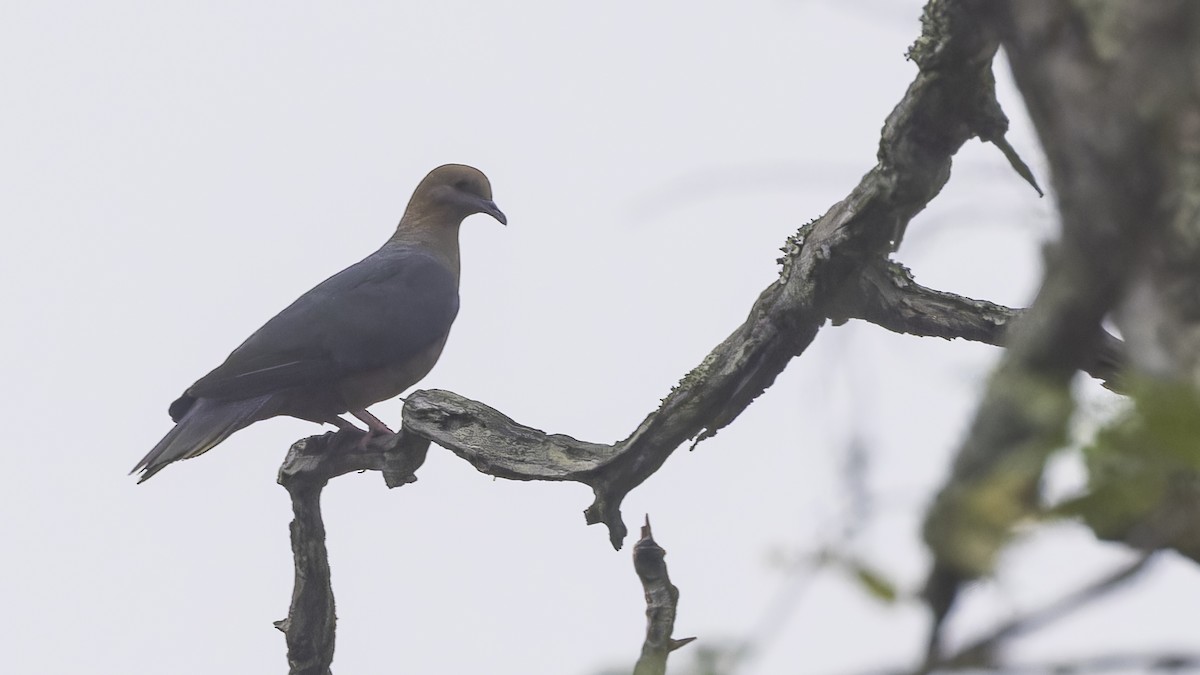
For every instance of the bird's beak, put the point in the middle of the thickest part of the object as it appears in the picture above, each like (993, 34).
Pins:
(489, 207)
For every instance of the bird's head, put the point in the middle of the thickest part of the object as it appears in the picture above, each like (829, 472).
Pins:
(452, 192)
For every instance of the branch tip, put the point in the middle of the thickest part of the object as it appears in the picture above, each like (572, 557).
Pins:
(1016, 162)
(680, 642)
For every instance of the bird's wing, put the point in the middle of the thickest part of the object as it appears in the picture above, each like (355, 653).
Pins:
(378, 312)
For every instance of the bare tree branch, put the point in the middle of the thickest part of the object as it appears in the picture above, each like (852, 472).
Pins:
(662, 597)
(888, 296)
(310, 463)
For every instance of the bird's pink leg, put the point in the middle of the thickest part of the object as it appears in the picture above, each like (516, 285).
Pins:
(342, 424)
(376, 425)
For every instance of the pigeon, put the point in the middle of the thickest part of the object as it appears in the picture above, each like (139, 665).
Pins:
(364, 335)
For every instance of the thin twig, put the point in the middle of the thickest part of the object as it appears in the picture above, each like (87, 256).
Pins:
(981, 652)
(1132, 662)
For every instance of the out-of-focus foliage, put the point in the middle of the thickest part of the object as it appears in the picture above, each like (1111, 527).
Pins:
(1144, 472)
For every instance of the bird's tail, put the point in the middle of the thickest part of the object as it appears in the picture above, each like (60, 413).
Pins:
(207, 423)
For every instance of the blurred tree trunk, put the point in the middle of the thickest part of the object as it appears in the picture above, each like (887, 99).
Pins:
(1113, 89)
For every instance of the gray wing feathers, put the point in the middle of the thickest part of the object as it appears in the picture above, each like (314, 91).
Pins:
(384, 309)
(207, 423)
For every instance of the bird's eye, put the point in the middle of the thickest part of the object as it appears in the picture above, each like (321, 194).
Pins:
(463, 185)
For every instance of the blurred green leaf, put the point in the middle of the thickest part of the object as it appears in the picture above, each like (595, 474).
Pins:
(875, 583)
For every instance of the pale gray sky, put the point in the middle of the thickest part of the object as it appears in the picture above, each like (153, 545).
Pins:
(172, 174)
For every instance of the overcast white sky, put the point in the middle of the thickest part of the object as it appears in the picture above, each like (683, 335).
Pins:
(172, 174)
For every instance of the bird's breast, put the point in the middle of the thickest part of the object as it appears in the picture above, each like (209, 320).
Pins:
(372, 386)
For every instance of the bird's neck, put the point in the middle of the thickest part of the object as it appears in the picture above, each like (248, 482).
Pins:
(439, 238)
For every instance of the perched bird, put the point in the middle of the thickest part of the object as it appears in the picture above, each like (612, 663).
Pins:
(361, 336)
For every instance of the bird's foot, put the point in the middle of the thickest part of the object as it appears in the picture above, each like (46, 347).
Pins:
(346, 426)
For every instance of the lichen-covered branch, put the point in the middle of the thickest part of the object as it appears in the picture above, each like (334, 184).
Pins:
(888, 296)
(496, 445)
(662, 600)
(951, 100)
